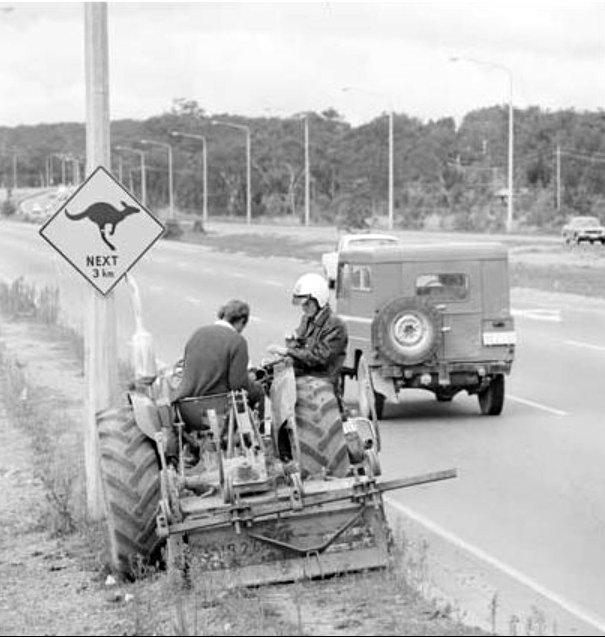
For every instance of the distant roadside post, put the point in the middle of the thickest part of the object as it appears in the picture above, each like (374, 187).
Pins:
(246, 129)
(168, 147)
(202, 139)
(511, 133)
(141, 155)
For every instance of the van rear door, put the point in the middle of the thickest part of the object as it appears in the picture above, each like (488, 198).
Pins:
(454, 287)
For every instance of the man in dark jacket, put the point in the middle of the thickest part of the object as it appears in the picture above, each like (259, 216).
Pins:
(216, 360)
(319, 345)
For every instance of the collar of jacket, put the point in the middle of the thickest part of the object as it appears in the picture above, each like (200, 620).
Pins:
(320, 318)
(222, 322)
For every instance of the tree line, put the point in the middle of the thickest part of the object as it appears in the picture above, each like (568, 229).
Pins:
(444, 176)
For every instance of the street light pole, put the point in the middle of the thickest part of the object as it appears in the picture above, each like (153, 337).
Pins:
(204, 170)
(246, 129)
(391, 198)
(141, 155)
(14, 171)
(101, 338)
(305, 117)
(307, 175)
(170, 175)
(511, 128)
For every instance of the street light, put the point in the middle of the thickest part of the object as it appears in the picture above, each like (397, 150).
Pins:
(14, 155)
(305, 117)
(170, 177)
(246, 129)
(141, 155)
(501, 67)
(75, 168)
(62, 157)
(391, 179)
(204, 169)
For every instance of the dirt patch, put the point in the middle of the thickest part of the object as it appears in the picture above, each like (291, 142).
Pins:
(55, 583)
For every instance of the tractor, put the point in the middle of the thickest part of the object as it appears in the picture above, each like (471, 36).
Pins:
(295, 493)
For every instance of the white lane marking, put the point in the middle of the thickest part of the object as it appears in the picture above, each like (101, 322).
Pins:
(194, 300)
(525, 580)
(539, 406)
(255, 319)
(581, 344)
(155, 288)
(538, 314)
(239, 275)
(272, 282)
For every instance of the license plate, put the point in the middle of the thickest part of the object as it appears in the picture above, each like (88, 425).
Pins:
(499, 338)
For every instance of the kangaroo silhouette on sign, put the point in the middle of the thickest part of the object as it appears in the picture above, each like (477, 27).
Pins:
(103, 215)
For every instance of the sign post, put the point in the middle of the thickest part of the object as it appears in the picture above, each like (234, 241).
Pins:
(102, 231)
(101, 365)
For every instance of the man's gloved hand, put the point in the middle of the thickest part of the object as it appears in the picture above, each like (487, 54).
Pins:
(290, 339)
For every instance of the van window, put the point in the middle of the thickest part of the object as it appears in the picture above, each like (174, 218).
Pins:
(443, 286)
(360, 277)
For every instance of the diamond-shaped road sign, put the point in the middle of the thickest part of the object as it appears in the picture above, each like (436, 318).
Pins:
(102, 230)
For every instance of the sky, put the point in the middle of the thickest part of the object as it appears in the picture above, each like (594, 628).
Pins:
(259, 59)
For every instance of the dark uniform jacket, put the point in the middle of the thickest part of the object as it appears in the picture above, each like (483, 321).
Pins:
(320, 345)
(216, 361)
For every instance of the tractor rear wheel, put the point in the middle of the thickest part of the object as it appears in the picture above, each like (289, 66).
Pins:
(319, 427)
(131, 485)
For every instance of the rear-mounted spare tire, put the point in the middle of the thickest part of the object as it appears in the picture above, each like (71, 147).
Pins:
(407, 330)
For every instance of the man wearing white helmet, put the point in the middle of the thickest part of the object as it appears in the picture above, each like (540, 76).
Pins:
(319, 344)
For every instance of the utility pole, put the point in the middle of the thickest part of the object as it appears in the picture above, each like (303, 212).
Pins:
(15, 185)
(246, 129)
(101, 341)
(558, 168)
(307, 174)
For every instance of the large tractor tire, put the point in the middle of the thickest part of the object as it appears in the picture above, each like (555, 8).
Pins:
(491, 400)
(319, 427)
(407, 330)
(131, 485)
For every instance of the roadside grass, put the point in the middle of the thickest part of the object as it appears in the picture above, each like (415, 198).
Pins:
(565, 278)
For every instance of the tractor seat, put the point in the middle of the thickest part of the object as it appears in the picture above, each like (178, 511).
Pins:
(194, 410)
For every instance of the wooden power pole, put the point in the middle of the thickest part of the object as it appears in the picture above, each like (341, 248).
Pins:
(101, 364)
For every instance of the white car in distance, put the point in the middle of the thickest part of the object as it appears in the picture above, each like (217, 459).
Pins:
(329, 261)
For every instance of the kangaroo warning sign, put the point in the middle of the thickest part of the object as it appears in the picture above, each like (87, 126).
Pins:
(102, 230)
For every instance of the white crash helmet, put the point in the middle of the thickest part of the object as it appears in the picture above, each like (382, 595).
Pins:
(311, 285)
